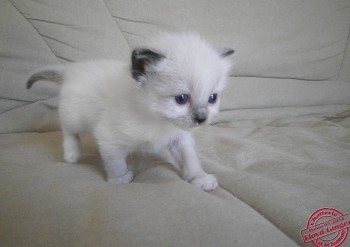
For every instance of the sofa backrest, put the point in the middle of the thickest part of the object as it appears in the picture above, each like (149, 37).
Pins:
(289, 53)
(284, 39)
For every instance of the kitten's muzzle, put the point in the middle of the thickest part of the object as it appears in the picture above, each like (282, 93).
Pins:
(200, 116)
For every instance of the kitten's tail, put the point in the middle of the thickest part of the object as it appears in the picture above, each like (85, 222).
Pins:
(50, 74)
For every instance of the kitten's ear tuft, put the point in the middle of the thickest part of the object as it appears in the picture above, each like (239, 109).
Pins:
(142, 59)
(225, 52)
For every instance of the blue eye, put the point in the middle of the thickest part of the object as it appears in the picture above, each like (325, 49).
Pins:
(182, 99)
(212, 98)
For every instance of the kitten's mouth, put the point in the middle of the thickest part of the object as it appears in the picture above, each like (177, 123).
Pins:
(185, 125)
(194, 125)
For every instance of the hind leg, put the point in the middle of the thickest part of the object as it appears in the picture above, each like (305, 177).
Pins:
(71, 146)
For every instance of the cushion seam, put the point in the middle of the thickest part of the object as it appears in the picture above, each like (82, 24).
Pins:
(116, 23)
(344, 53)
(259, 213)
(33, 27)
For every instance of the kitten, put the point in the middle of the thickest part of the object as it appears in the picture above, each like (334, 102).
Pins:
(171, 87)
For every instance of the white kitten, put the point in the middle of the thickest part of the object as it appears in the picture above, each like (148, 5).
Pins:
(171, 86)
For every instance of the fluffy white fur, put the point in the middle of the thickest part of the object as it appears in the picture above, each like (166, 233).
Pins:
(132, 107)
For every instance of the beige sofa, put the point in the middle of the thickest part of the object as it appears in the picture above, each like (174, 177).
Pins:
(280, 146)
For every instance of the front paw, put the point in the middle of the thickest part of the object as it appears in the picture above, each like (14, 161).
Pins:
(71, 156)
(207, 182)
(127, 178)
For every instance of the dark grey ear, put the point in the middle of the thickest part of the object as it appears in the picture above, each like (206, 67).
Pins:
(225, 52)
(142, 59)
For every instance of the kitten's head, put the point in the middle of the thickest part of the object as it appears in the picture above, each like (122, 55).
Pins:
(181, 77)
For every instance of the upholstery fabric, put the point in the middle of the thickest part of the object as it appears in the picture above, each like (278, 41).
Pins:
(280, 146)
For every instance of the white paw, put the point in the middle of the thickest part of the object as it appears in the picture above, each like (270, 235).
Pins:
(127, 178)
(71, 156)
(207, 183)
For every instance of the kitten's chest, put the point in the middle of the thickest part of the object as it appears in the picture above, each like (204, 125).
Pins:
(154, 143)
(148, 147)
